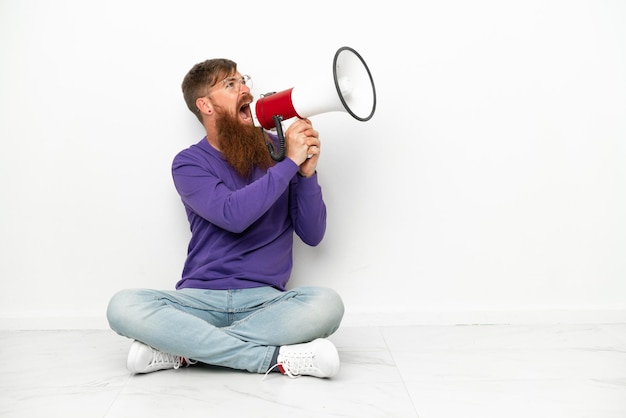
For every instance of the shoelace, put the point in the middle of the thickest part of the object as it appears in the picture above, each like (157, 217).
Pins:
(269, 370)
(165, 358)
(294, 365)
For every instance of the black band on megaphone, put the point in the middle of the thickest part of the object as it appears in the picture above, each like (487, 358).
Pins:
(336, 77)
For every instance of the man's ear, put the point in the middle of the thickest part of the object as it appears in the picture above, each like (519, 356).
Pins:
(204, 105)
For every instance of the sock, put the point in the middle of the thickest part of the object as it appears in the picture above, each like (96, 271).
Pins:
(275, 360)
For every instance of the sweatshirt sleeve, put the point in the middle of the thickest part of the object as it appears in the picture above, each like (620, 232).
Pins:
(215, 192)
(308, 210)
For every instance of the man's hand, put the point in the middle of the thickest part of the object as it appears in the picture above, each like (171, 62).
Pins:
(303, 146)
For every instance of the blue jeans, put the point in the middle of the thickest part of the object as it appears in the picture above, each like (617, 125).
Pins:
(238, 328)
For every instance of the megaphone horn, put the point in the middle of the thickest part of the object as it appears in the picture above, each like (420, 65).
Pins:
(353, 92)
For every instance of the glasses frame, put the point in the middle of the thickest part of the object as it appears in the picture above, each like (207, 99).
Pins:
(244, 80)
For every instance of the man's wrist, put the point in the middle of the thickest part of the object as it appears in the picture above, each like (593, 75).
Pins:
(305, 176)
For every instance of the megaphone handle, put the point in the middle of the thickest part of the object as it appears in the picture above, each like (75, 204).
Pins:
(281, 140)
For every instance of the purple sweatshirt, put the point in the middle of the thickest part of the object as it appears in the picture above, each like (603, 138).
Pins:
(242, 230)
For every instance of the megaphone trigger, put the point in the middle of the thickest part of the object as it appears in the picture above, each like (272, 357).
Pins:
(280, 155)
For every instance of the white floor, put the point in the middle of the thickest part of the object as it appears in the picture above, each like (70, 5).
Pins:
(485, 371)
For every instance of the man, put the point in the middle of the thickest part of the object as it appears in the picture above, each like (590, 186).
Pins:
(231, 307)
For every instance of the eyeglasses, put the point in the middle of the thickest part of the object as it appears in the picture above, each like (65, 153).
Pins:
(235, 83)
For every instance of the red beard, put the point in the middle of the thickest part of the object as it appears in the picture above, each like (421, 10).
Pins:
(243, 146)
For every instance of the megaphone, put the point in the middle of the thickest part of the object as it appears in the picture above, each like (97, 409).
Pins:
(353, 92)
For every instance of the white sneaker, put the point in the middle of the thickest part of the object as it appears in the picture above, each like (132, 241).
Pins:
(317, 358)
(145, 359)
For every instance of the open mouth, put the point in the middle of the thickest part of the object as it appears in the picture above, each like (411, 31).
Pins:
(245, 113)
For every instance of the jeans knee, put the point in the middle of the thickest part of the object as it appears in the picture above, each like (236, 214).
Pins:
(330, 308)
(117, 309)
(335, 303)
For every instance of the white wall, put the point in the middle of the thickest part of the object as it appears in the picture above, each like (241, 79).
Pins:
(490, 186)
